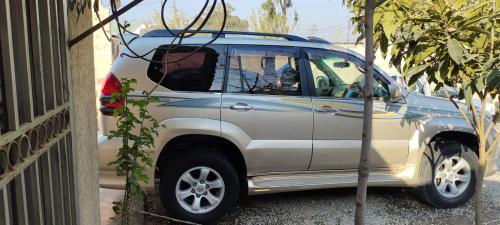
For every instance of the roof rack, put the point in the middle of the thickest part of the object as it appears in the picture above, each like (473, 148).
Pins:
(165, 33)
(318, 40)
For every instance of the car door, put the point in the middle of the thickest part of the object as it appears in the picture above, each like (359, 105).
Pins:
(266, 108)
(338, 81)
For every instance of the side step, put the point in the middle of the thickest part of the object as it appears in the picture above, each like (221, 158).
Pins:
(318, 180)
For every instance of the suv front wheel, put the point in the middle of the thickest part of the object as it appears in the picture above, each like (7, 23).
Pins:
(199, 186)
(447, 174)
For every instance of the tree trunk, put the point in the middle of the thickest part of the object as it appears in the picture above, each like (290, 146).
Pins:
(483, 137)
(477, 198)
(363, 169)
(480, 177)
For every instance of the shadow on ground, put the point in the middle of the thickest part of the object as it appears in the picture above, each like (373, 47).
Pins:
(336, 206)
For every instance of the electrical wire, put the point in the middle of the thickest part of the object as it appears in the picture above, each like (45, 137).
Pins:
(96, 11)
(179, 36)
(184, 33)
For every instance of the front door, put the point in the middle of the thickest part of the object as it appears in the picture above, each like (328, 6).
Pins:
(338, 115)
(266, 106)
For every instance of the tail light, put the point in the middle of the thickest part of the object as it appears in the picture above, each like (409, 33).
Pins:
(111, 86)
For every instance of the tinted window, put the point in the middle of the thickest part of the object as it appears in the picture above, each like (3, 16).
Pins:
(263, 70)
(202, 71)
(339, 76)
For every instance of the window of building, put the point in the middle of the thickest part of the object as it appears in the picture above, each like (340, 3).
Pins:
(263, 70)
(202, 71)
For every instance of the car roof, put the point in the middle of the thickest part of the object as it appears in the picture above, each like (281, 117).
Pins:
(144, 45)
(156, 41)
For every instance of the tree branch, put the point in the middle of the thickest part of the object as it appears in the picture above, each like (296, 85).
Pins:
(460, 110)
(472, 108)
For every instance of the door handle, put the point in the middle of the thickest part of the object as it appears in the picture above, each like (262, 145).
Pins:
(241, 107)
(326, 109)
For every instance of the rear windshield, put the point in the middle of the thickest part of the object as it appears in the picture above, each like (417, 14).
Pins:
(201, 72)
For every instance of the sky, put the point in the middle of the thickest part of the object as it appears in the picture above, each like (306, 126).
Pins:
(327, 19)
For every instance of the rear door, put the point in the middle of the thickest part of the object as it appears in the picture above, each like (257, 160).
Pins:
(266, 106)
(191, 88)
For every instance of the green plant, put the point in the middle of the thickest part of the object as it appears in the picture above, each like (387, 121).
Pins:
(455, 43)
(178, 19)
(137, 130)
(273, 17)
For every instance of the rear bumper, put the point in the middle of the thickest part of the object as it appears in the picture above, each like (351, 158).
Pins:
(107, 174)
(108, 179)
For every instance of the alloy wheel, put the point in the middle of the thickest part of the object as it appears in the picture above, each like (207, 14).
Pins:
(200, 190)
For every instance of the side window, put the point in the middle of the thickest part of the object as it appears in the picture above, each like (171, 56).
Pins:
(263, 70)
(202, 71)
(338, 76)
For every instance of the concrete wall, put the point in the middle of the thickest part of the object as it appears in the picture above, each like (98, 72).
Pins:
(102, 56)
(83, 111)
(102, 50)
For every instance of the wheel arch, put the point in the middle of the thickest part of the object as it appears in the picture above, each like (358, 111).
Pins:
(466, 138)
(176, 145)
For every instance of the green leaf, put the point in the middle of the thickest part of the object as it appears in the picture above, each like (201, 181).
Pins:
(444, 71)
(415, 70)
(458, 4)
(455, 50)
(389, 25)
(467, 92)
(479, 84)
(377, 17)
(420, 56)
(440, 5)
(492, 80)
(414, 79)
(384, 45)
(475, 10)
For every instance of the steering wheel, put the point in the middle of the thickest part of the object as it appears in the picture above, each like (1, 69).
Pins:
(355, 84)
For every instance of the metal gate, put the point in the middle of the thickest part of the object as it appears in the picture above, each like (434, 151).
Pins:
(37, 185)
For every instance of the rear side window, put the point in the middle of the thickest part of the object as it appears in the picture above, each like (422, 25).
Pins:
(202, 71)
(263, 70)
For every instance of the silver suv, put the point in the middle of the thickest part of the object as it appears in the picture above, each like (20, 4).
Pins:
(253, 115)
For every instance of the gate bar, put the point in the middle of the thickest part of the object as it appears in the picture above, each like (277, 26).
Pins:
(104, 22)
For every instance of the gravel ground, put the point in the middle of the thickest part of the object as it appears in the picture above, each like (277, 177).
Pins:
(336, 206)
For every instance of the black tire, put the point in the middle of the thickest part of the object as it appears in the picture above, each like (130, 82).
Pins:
(435, 154)
(192, 158)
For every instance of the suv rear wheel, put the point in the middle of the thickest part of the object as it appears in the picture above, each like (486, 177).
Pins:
(199, 186)
(447, 174)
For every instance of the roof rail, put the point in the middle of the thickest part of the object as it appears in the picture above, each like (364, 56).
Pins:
(165, 33)
(318, 40)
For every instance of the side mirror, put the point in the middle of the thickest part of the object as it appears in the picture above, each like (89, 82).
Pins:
(395, 92)
(341, 64)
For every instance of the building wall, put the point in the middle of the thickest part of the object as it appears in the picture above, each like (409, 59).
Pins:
(102, 50)
(102, 56)
(84, 124)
